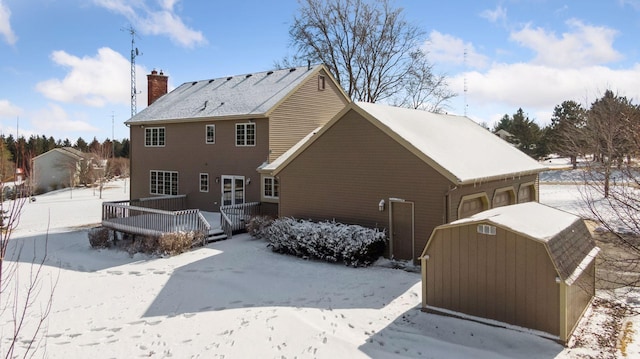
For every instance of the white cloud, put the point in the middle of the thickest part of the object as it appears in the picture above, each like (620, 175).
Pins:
(94, 81)
(8, 110)
(584, 45)
(54, 119)
(499, 14)
(5, 25)
(162, 21)
(538, 89)
(448, 49)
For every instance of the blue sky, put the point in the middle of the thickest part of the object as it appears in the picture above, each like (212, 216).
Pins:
(65, 65)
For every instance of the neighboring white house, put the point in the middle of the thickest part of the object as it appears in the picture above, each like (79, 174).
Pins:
(58, 168)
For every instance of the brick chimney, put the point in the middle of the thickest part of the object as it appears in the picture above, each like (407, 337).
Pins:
(156, 86)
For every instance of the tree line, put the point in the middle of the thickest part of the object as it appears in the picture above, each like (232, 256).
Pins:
(606, 131)
(17, 153)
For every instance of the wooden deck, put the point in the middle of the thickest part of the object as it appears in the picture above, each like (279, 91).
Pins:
(153, 225)
(156, 216)
(159, 215)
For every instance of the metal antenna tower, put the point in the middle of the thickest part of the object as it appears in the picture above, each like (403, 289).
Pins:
(465, 81)
(134, 54)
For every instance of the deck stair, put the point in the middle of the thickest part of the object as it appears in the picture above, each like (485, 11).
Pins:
(215, 234)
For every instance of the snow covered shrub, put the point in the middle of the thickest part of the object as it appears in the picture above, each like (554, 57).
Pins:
(176, 243)
(99, 237)
(258, 225)
(329, 241)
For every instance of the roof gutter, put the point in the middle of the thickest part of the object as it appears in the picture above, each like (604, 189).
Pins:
(199, 119)
(499, 177)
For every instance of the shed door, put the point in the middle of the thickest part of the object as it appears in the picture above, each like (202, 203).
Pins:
(401, 230)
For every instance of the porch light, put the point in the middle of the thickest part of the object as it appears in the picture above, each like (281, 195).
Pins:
(217, 179)
(248, 181)
(381, 205)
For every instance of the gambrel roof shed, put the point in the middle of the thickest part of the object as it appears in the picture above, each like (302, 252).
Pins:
(456, 146)
(252, 95)
(527, 264)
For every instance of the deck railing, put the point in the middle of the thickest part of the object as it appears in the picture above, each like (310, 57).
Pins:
(167, 203)
(153, 216)
(235, 217)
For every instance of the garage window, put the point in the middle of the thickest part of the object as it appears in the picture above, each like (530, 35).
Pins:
(472, 204)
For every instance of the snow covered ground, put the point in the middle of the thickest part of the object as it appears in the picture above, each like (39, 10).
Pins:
(237, 299)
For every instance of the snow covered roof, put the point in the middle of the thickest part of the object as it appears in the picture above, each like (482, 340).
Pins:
(531, 218)
(268, 167)
(565, 235)
(66, 151)
(457, 146)
(232, 96)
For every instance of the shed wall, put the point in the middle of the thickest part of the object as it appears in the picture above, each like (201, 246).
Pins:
(505, 277)
(579, 296)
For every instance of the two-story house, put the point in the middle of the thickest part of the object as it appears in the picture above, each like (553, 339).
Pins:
(206, 139)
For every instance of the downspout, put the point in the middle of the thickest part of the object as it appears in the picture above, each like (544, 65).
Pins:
(447, 204)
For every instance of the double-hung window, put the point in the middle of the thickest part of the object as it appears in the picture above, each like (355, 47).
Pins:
(154, 136)
(210, 134)
(204, 182)
(245, 134)
(271, 187)
(163, 182)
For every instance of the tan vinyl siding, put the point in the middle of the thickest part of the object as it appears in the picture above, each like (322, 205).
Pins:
(579, 296)
(302, 112)
(345, 173)
(504, 277)
(187, 152)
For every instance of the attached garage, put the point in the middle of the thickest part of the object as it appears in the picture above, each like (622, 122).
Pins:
(527, 265)
(402, 170)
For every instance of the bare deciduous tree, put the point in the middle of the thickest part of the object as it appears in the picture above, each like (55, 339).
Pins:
(609, 136)
(20, 290)
(371, 50)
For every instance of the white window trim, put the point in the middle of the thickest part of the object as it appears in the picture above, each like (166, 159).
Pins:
(151, 129)
(273, 187)
(151, 191)
(233, 188)
(200, 182)
(255, 135)
(206, 134)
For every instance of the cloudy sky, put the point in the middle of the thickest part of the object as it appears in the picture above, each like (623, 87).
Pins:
(65, 64)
